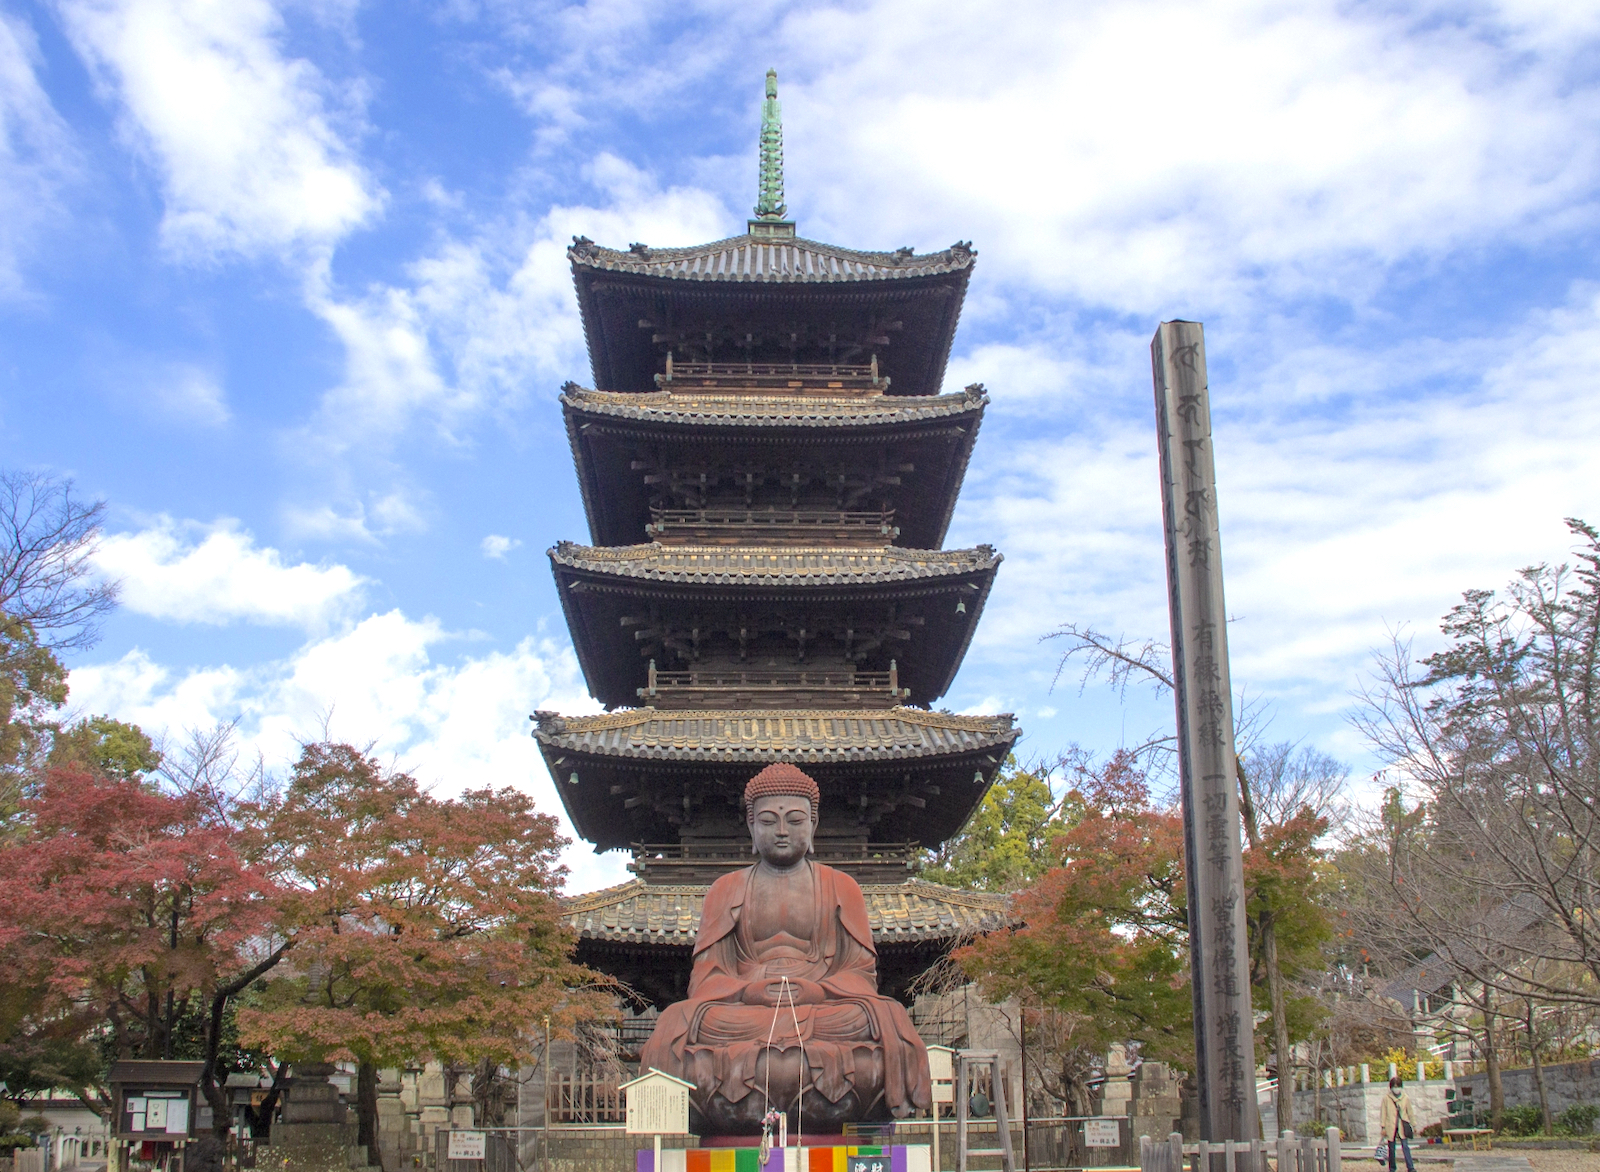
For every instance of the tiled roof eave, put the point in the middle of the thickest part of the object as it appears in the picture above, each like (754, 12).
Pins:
(747, 260)
(758, 412)
(908, 912)
(772, 565)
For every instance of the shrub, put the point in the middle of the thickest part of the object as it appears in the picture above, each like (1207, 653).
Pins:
(1524, 1120)
(1579, 1118)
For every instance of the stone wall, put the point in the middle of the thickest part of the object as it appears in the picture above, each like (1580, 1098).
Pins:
(1564, 1084)
(1356, 1109)
(585, 1149)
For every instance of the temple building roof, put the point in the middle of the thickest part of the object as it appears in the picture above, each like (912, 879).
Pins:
(769, 300)
(647, 776)
(685, 608)
(755, 738)
(907, 453)
(910, 912)
(774, 565)
(748, 258)
(727, 409)
(644, 933)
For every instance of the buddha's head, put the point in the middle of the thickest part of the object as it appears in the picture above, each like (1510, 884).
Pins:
(780, 806)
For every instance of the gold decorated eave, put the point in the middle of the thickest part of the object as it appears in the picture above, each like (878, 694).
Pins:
(898, 774)
(928, 441)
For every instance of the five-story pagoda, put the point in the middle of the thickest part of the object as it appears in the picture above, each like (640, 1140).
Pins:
(768, 470)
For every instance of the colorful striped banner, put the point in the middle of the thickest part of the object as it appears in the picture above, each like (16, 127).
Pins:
(843, 1158)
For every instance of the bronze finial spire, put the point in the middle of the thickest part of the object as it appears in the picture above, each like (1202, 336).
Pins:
(769, 202)
(770, 208)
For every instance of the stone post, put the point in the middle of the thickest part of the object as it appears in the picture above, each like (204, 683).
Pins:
(1218, 948)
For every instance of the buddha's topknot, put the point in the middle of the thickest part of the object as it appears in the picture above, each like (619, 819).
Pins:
(782, 778)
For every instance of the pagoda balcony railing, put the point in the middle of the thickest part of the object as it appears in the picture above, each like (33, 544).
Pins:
(861, 376)
(879, 522)
(742, 679)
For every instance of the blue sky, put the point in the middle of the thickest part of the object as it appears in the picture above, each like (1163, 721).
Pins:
(285, 284)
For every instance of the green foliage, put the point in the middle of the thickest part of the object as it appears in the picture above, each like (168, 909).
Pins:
(1006, 844)
(33, 684)
(1579, 1118)
(1524, 1120)
(109, 746)
(1102, 948)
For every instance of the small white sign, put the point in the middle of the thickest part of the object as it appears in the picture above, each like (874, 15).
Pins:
(465, 1145)
(658, 1104)
(1102, 1133)
(941, 1064)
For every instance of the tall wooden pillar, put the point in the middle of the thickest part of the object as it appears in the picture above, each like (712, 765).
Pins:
(1213, 857)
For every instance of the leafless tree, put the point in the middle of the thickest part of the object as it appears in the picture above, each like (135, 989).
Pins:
(48, 583)
(1495, 868)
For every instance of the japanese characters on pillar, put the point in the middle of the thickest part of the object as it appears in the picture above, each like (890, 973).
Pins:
(1219, 956)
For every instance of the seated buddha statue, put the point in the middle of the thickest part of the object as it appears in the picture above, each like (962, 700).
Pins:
(783, 1007)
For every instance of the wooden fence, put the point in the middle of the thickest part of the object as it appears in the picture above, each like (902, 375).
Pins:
(1288, 1153)
(577, 1098)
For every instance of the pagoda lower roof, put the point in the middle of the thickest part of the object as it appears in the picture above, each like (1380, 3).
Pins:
(774, 565)
(757, 737)
(914, 911)
(913, 775)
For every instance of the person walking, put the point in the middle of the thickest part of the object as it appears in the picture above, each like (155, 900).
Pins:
(1399, 1122)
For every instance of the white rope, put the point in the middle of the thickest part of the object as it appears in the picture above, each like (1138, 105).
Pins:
(805, 1063)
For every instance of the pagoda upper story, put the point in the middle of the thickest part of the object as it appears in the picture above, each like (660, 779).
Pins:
(768, 470)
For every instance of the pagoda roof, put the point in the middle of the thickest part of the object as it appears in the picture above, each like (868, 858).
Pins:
(935, 434)
(726, 410)
(747, 258)
(769, 286)
(926, 769)
(756, 738)
(606, 591)
(777, 565)
(910, 912)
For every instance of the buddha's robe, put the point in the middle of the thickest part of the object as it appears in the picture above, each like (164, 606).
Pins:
(854, 1041)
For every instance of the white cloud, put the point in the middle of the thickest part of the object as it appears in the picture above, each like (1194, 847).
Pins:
(1155, 155)
(482, 320)
(496, 546)
(37, 153)
(454, 726)
(216, 574)
(189, 394)
(245, 138)
(1440, 469)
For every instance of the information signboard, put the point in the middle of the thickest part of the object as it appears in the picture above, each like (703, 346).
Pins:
(465, 1145)
(1102, 1133)
(658, 1104)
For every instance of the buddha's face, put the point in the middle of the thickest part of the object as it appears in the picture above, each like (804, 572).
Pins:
(781, 827)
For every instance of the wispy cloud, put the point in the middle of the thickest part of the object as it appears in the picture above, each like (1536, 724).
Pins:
(38, 154)
(246, 139)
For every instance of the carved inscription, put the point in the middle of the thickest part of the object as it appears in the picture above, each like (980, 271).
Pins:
(1224, 1044)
